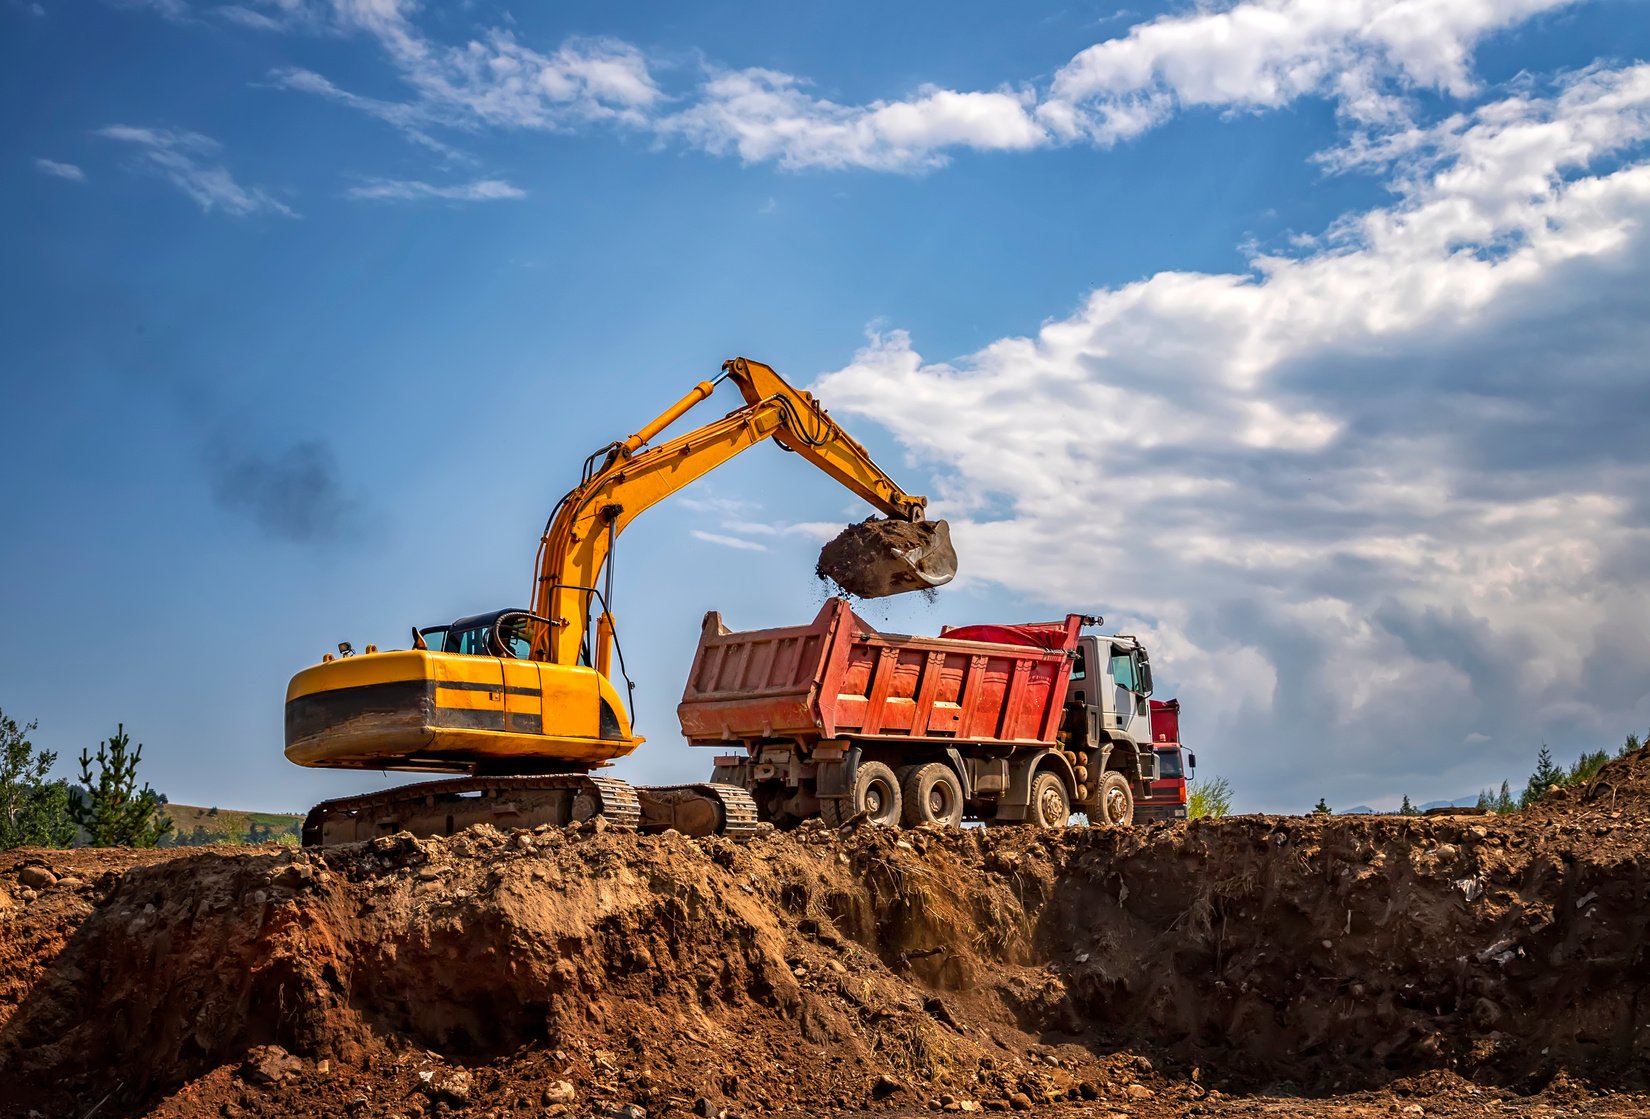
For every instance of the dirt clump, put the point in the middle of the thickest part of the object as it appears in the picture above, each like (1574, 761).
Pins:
(880, 557)
(1381, 964)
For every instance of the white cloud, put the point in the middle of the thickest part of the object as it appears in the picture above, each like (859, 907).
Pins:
(182, 158)
(402, 190)
(737, 542)
(1366, 501)
(60, 170)
(763, 115)
(492, 80)
(1367, 56)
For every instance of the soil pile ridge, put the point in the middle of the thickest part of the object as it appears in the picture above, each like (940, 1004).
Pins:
(556, 972)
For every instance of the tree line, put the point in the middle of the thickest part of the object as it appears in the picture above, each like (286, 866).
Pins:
(1547, 777)
(105, 808)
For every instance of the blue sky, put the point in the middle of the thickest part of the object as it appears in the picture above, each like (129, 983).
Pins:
(1304, 339)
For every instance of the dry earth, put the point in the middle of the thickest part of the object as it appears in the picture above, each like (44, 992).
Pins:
(1352, 966)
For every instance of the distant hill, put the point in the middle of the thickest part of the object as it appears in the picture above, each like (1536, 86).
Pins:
(1459, 802)
(1361, 810)
(193, 826)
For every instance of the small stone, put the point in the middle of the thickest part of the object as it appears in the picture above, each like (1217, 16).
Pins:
(37, 877)
(1019, 1101)
(70, 882)
(885, 1085)
(268, 1065)
(451, 1086)
(1139, 1092)
(600, 824)
(703, 1108)
(559, 1091)
(968, 1106)
(625, 1111)
(1414, 1109)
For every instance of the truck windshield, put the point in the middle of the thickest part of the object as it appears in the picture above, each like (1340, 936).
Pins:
(1169, 767)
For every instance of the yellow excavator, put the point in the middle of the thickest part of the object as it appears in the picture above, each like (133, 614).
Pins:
(523, 702)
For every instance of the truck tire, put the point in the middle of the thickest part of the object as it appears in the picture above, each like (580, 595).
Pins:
(875, 793)
(1050, 805)
(931, 794)
(1113, 801)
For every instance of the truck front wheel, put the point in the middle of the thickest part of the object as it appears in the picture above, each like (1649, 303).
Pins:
(932, 795)
(1050, 806)
(875, 793)
(1114, 801)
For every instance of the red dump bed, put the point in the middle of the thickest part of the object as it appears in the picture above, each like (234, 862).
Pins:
(1165, 721)
(839, 678)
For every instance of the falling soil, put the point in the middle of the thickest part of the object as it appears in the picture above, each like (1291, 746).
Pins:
(878, 557)
(1349, 966)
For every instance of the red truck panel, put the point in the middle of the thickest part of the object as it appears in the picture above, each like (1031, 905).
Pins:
(838, 677)
(1165, 720)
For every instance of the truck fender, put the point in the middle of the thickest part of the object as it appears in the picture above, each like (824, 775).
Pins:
(1012, 804)
(836, 779)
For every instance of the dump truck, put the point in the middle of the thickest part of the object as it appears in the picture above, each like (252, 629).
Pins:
(524, 705)
(1167, 798)
(1000, 723)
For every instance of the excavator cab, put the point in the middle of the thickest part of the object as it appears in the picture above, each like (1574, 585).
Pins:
(500, 633)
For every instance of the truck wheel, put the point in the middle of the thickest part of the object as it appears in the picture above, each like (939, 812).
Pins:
(1114, 801)
(931, 794)
(1050, 806)
(875, 793)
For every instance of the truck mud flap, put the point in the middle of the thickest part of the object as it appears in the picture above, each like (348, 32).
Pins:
(836, 779)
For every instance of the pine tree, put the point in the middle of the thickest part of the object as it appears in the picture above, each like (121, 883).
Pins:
(1586, 767)
(1321, 808)
(114, 811)
(1546, 773)
(34, 812)
(1630, 746)
(1504, 801)
(1408, 809)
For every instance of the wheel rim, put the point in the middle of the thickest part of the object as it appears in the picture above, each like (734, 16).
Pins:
(1117, 803)
(873, 800)
(1048, 807)
(939, 802)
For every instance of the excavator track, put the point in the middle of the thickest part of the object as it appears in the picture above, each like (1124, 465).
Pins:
(430, 808)
(711, 808)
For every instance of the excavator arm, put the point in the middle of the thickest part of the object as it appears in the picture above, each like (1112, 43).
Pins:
(632, 476)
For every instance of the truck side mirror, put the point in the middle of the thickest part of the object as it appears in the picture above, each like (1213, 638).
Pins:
(1145, 677)
(1191, 760)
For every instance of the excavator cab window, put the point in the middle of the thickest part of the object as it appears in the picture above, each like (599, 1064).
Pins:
(472, 641)
(435, 638)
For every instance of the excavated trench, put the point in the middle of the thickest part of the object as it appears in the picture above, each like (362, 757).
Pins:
(862, 969)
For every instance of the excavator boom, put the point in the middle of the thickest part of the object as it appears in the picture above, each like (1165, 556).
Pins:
(633, 477)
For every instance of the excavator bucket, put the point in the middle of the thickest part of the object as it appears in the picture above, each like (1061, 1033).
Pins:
(878, 557)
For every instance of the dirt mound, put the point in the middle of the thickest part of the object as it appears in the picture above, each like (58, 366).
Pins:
(1620, 791)
(563, 972)
(878, 557)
